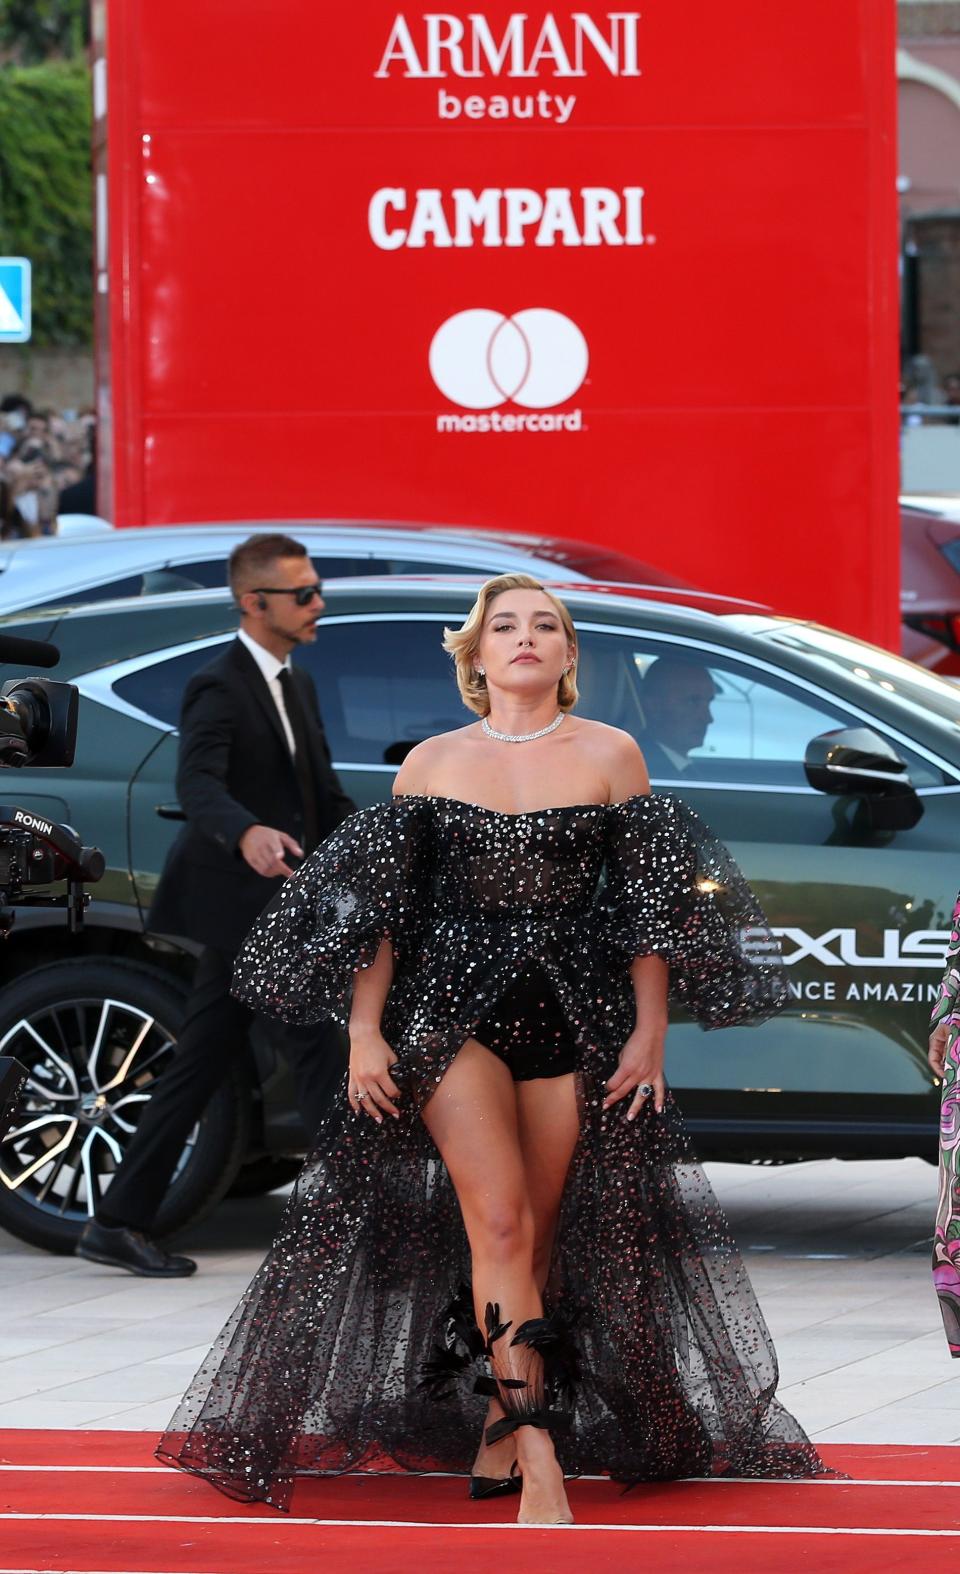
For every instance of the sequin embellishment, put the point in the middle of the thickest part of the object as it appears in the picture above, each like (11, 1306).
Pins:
(320, 1367)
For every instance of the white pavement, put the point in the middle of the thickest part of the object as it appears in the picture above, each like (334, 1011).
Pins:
(839, 1254)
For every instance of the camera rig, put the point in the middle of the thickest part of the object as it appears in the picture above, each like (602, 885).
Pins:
(38, 852)
(38, 726)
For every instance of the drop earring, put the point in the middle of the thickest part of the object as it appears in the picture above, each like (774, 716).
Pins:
(481, 672)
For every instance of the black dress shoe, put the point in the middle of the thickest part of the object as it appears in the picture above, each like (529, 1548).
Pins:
(118, 1247)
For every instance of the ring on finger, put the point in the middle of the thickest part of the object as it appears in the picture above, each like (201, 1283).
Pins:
(645, 1089)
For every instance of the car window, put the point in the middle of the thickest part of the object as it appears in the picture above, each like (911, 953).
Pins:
(422, 565)
(129, 585)
(711, 718)
(951, 551)
(342, 567)
(214, 574)
(901, 682)
(386, 684)
(211, 573)
(158, 688)
(383, 686)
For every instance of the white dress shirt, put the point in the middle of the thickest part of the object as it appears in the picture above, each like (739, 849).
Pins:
(680, 762)
(271, 669)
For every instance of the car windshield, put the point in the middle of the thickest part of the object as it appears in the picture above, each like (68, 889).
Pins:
(874, 668)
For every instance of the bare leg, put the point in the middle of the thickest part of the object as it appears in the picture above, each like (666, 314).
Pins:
(473, 1119)
(549, 1125)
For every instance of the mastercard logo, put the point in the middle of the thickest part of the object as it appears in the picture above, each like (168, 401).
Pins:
(535, 358)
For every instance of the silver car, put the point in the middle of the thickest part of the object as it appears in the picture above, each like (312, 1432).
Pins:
(155, 560)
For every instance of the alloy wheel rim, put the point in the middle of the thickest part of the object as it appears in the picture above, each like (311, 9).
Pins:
(92, 1063)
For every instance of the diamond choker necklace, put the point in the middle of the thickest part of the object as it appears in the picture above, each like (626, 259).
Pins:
(520, 737)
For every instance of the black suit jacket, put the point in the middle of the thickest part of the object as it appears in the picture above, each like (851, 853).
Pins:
(659, 763)
(235, 770)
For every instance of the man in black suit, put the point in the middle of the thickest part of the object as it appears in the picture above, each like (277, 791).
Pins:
(677, 698)
(257, 786)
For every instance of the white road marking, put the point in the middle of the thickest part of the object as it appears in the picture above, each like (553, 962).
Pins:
(471, 1524)
(450, 1475)
(90, 1470)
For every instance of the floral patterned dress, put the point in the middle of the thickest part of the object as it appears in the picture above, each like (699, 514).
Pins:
(946, 1242)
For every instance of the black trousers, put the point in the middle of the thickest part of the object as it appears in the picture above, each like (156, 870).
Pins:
(212, 1035)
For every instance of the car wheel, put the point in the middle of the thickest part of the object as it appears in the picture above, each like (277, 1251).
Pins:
(264, 1175)
(94, 1037)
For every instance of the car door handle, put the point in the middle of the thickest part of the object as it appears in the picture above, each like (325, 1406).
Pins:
(170, 811)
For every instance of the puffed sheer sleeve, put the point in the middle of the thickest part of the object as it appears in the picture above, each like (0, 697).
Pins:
(674, 891)
(947, 1005)
(368, 880)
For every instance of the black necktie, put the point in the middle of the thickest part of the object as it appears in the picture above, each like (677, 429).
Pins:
(301, 759)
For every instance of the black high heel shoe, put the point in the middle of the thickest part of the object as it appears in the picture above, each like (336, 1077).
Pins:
(496, 1486)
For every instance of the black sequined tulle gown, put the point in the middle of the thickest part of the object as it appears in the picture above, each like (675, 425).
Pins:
(321, 1366)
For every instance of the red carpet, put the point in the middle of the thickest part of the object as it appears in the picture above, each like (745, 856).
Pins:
(98, 1503)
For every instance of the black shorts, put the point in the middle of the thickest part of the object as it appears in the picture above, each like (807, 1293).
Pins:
(527, 1030)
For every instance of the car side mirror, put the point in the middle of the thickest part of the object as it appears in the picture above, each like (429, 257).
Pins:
(857, 762)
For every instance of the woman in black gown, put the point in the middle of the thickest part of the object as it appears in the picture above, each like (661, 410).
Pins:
(503, 1233)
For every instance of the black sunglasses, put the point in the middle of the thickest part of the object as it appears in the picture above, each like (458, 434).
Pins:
(302, 595)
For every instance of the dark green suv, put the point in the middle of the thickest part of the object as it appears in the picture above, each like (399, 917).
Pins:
(831, 768)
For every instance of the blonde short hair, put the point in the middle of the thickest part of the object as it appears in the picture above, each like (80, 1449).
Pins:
(464, 643)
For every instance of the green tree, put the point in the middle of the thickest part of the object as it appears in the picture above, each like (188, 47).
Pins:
(45, 192)
(35, 30)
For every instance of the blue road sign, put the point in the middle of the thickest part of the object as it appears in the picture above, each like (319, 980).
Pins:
(14, 300)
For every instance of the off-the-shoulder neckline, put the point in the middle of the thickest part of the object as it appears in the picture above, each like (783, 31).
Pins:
(515, 814)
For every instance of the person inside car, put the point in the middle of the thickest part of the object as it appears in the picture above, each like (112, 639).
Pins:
(677, 698)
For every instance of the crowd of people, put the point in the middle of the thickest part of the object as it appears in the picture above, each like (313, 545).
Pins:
(928, 396)
(47, 466)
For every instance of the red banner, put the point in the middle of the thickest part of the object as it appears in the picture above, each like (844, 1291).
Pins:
(609, 274)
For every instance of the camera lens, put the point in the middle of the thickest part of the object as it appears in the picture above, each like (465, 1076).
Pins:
(24, 726)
